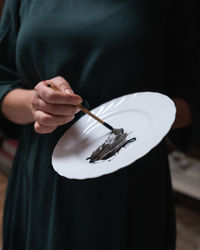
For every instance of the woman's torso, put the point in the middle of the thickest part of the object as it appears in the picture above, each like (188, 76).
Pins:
(103, 48)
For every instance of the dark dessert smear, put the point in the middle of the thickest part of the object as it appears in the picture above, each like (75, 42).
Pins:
(111, 146)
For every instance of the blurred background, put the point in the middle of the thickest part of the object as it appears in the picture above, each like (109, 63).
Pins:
(185, 172)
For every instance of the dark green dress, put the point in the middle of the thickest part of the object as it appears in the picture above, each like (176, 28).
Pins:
(105, 49)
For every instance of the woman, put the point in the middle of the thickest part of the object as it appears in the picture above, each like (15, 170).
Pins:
(98, 50)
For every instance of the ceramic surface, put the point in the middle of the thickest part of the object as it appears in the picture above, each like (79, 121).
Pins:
(148, 116)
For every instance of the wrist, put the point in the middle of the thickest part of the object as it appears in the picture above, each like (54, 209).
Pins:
(16, 106)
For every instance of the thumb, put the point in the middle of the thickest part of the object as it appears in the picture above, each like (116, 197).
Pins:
(61, 84)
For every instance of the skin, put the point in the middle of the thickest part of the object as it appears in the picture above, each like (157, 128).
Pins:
(183, 114)
(44, 106)
(48, 108)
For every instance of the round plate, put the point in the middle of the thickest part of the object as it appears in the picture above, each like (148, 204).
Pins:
(148, 116)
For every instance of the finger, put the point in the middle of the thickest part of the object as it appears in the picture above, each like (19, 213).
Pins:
(52, 96)
(40, 129)
(55, 109)
(51, 120)
(62, 84)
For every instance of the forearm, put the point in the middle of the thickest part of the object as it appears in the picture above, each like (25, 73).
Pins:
(16, 106)
(183, 114)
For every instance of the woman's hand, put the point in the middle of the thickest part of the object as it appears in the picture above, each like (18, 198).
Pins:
(183, 114)
(51, 108)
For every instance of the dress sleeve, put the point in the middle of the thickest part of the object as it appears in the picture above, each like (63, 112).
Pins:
(183, 76)
(9, 80)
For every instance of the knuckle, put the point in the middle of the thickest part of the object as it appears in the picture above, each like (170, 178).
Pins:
(60, 78)
(63, 85)
(44, 119)
(47, 97)
(41, 118)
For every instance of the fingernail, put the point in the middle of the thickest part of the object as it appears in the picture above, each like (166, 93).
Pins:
(69, 91)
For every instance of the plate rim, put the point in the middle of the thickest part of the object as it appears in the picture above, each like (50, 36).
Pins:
(133, 95)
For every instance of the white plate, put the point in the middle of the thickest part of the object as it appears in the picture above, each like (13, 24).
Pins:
(148, 116)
